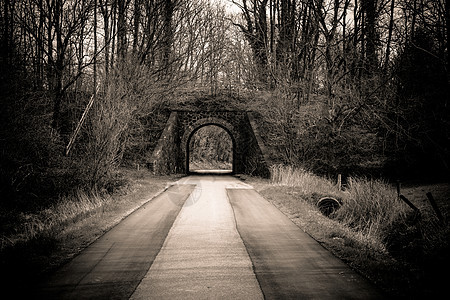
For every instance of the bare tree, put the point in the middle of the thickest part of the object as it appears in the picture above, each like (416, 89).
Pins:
(121, 28)
(255, 30)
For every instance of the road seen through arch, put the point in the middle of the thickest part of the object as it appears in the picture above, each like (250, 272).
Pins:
(225, 242)
(210, 150)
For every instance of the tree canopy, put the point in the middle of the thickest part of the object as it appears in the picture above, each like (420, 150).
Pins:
(338, 85)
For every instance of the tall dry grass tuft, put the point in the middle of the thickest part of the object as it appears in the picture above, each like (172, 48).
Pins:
(370, 207)
(305, 182)
(51, 221)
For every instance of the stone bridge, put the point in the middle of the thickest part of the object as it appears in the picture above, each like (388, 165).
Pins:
(171, 154)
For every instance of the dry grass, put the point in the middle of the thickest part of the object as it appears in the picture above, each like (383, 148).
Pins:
(374, 232)
(306, 182)
(370, 207)
(43, 240)
(50, 221)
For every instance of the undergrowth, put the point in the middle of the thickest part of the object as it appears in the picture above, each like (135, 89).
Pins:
(34, 243)
(369, 207)
(305, 182)
(373, 230)
(49, 222)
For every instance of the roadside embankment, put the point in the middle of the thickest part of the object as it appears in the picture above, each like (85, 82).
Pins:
(373, 231)
(40, 241)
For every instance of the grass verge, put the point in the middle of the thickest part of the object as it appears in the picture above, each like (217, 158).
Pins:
(373, 232)
(39, 242)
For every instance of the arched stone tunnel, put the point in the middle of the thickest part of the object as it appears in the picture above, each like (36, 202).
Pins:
(224, 126)
(171, 154)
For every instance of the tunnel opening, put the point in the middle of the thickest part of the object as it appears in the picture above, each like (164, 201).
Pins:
(210, 150)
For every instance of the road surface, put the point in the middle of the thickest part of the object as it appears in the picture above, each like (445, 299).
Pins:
(288, 263)
(207, 237)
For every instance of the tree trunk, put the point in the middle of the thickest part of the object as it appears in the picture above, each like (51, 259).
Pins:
(388, 43)
(371, 35)
(272, 24)
(113, 35)
(283, 37)
(6, 41)
(121, 30)
(95, 47)
(59, 64)
(105, 13)
(447, 23)
(168, 34)
(414, 18)
(137, 19)
(40, 47)
(260, 41)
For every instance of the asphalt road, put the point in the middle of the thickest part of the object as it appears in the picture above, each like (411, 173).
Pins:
(288, 263)
(203, 256)
(224, 241)
(114, 265)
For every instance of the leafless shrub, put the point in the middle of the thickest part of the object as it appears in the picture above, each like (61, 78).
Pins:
(126, 95)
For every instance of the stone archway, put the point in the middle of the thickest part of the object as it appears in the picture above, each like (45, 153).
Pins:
(171, 154)
(205, 123)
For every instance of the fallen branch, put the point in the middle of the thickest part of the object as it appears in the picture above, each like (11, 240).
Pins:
(80, 124)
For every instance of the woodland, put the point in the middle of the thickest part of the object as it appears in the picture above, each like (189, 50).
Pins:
(339, 86)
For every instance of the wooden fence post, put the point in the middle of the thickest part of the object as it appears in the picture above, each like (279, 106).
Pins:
(339, 181)
(435, 207)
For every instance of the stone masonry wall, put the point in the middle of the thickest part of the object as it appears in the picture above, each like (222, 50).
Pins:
(171, 154)
(163, 160)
